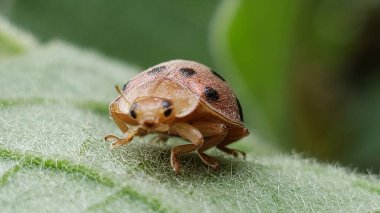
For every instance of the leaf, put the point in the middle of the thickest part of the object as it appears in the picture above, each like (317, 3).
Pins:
(309, 73)
(53, 106)
(125, 29)
(12, 40)
(252, 39)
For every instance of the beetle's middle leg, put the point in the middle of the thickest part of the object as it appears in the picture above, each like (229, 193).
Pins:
(214, 133)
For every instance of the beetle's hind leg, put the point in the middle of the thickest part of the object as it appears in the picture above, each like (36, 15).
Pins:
(214, 133)
(234, 152)
(235, 135)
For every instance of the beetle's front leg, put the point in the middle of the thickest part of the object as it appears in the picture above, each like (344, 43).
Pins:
(129, 134)
(128, 137)
(116, 141)
(188, 132)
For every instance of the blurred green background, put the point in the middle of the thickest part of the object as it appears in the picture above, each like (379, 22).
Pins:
(307, 72)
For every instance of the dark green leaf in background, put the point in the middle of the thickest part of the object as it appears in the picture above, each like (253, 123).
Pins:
(142, 32)
(307, 73)
(257, 36)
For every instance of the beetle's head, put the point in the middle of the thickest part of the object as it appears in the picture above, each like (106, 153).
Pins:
(152, 113)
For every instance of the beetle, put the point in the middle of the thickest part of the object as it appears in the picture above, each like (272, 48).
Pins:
(180, 98)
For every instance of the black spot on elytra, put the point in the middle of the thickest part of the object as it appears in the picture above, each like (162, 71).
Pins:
(187, 72)
(125, 86)
(240, 109)
(217, 75)
(211, 94)
(156, 70)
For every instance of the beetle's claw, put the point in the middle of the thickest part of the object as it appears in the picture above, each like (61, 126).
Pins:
(209, 161)
(244, 155)
(214, 165)
(237, 153)
(116, 141)
(175, 163)
(233, 152)
(111, 138)
(115, 144)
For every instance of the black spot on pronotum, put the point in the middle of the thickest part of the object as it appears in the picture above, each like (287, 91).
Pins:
(125, 86)
(217, 75)
(156, 70)
(211, 94)
(240, 109)
(187, 72)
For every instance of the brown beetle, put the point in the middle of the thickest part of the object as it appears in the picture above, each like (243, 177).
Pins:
(180, 98)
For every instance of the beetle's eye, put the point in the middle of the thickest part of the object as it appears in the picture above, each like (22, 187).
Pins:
(133, 114)
(132, 111)
(167, 112)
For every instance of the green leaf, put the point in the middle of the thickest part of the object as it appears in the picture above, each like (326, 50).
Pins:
(124, 29)
(12, 40)
(252, 39)
(53, 158)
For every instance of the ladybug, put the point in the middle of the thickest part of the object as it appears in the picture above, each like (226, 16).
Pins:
(180, 98)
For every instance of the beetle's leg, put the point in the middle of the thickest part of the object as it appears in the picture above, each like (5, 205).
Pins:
(119, 122)
(233, 152)
(119, 141)
(188, 132)
(128, 137)
(122, 126)
(214, 133)
(160, 138)
(232, 138)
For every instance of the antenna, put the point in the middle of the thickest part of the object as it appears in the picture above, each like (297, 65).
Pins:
(121, 94)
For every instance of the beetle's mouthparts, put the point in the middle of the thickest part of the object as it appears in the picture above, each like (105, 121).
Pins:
(148, 123)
